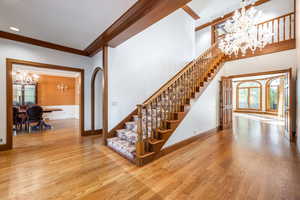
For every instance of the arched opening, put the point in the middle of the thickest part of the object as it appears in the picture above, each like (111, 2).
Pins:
(96, 99)
(249, 95)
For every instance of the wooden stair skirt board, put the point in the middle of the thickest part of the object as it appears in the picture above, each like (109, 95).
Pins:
(125, 139)
(270, 48)
(93, 132)
(179, 145)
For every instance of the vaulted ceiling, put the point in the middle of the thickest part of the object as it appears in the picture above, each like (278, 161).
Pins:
(71, 23)
(209, 10)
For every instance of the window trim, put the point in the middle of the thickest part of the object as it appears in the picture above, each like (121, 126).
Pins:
(268, 83)
(248, 88)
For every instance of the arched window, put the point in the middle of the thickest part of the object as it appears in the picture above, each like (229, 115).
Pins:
(272, 95)
(249, 95)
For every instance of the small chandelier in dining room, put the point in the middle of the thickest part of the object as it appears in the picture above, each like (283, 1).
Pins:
(23, 77)
(241, 32)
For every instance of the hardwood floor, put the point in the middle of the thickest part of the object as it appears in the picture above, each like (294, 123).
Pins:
(253, 161)
(67, 129)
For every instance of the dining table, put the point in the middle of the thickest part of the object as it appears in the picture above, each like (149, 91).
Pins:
(42, 123)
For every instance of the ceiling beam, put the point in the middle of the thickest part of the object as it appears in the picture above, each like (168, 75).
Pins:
(140, 16)
(191, 12)
(228, 15)
(28, 40)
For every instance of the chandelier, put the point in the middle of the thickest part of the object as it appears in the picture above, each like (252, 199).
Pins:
(241, 32)
(25, 77)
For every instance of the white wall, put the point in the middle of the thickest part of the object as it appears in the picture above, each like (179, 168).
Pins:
(203, 116)
(68, 112)
(141, 65)
(16, 50)
(276, 8)
(269, 62)
(203, 40)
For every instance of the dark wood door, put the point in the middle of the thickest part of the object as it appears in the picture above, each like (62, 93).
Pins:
(225, 103)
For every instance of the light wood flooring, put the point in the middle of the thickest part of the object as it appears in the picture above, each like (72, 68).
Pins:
(252, 161)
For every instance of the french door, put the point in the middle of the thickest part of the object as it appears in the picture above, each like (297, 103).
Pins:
(225, 103)
(288, 115)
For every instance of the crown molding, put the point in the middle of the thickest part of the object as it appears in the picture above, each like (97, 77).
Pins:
(32, 41)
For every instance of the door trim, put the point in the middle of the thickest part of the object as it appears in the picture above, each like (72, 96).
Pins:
(292, 95)
(9, 94)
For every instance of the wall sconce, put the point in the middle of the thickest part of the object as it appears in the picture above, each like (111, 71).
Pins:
(62, 87)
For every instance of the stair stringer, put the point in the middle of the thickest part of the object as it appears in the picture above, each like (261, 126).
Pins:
(157, 148)
(200, 117)
(157, 144)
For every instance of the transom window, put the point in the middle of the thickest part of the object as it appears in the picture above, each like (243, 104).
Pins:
(249, 95)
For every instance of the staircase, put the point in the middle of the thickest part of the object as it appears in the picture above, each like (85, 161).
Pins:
(141, 136)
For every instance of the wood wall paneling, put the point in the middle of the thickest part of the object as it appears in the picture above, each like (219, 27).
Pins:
(50, 95)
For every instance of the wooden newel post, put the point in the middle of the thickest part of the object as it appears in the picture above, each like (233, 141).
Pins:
(140, 148)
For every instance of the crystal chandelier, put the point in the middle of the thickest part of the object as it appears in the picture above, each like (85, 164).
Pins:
(25, 78)
(241, 32)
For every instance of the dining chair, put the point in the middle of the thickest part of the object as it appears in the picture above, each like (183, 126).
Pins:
(17, 120)
(34, 115)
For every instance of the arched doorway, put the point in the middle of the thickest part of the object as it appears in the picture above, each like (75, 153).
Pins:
(97, 75)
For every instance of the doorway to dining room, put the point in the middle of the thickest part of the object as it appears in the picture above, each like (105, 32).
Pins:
(45, 104)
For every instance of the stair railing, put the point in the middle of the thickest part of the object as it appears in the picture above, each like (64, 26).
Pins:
(283, 27)
(160, 108)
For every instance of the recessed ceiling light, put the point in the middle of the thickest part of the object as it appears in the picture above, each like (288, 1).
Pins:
(14, 29)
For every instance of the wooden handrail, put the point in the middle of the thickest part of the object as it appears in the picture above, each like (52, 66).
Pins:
(156, 111)
(286, 29)
(174, 78)
(276, 18)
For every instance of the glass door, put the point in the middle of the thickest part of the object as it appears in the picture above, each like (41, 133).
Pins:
(287, 107)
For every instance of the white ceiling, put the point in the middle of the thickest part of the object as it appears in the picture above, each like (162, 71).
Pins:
(72, 23)
(44, 71)
(208, 10)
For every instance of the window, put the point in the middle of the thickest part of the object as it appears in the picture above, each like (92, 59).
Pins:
(272, 92)
(249, 95)
(24, 94)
